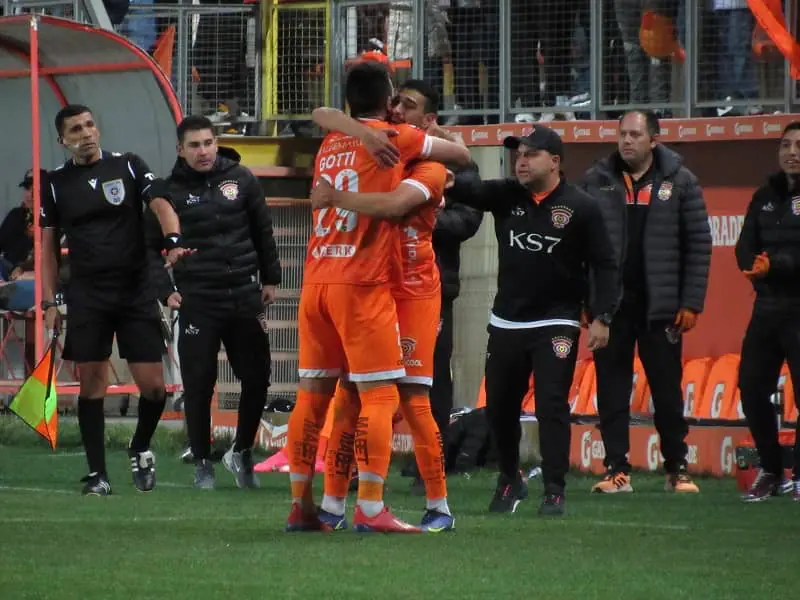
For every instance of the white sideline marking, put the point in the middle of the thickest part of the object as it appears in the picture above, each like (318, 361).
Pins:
(14, 488)
(629, 524)
(66, 454)
(93, 519)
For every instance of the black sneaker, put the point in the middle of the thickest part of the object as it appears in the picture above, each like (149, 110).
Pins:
(552, 504)
(508, 494)
(96, 485)
(764, 486)
(143, 469)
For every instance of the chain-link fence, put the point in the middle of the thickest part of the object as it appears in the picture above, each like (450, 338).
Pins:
(211, 53)
(506, 60)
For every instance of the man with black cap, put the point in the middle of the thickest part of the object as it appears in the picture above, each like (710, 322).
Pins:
(549, 233)
(16, 234)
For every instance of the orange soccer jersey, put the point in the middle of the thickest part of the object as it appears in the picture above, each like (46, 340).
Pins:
(420, 275)
(346, 247)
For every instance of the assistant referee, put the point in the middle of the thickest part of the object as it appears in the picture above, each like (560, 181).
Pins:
(98, 199)
(549, 234)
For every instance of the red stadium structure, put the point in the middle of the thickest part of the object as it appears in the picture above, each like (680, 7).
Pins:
(130, 96)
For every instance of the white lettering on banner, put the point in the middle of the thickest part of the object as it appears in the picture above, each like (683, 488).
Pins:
(688, 399)
(579, 132)
(684, 131)
(607, 132)
(716, 400)
(691, 454)
(741, 128)
(559, 131)
(725, 229)
(586, 449)
(532, 242)
(726, 455)
(477, 134)
(771, 127)
(664, 131)
(501, 134)
(653, 454)
(714, 130)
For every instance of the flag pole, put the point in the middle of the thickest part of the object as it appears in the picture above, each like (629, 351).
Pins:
(37, 187)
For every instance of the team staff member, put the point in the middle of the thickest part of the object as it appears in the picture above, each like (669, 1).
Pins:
(656, 216)
(97, 199)
(221, 290)
(768, 252)
(548, 233)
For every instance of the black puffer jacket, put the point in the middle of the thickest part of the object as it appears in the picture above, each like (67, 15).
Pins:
(455, 224)
(677, 237)
(772, 225)
(224, 217)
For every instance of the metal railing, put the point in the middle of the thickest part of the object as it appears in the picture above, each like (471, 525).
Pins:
(504, 60)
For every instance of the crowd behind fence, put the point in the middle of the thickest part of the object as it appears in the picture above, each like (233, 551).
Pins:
(492, 61)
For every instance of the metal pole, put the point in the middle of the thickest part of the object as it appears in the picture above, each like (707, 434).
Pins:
(596, 44)
(418, 59)
(335, 53)
(37, 186)
(692, 41)
(503, 60)
(182, 58)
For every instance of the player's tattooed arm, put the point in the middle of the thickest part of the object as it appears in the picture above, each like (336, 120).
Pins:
(382, 205)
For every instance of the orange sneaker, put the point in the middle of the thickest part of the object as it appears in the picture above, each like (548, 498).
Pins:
(613, 482)
(383, 522)
(680, 483)
(299, 520)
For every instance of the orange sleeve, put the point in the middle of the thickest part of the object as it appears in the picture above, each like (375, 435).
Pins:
(413, 143)
(429, 177)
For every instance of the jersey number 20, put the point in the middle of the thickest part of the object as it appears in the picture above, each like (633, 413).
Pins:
(345, 220)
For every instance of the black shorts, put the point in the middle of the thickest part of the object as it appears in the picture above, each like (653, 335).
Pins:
(95, 316)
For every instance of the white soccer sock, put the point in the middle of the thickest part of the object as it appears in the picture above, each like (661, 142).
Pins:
(293, 477)
(334, 505)
(439, 505)
(371, 508)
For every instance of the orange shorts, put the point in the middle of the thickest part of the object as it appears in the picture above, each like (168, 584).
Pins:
(349, 328)
(419, 320)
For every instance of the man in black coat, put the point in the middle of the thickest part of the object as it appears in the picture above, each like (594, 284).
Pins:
(221, 289)
(768, 252)
(655, 214)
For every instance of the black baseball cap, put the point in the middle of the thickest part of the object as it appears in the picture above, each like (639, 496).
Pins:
(541, 138)
(27, 181)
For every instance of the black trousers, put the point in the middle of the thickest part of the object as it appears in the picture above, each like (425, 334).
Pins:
(442, 389)
(512, 354)
(660, 351)
(247, 346)
(770, 339)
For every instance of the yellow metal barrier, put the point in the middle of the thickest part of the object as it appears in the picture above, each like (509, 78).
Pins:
(296, 63)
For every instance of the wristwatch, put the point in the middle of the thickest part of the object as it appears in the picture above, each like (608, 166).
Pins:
(605, 319)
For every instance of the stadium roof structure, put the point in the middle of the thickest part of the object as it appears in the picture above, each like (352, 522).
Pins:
(48, 62)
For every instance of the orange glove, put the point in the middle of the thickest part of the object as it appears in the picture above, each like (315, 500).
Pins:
(685, 320)
(760, 267)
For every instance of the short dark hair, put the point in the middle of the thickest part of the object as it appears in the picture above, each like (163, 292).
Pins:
(70, 110)
(426, 91)
(193, 123)
(653, 126)
(368, 89)
(793, 126)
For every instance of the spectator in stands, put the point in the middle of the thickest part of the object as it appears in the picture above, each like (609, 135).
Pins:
(656, 216)
(222, 291)
(16, 234)
(649, 76)
(16, 251)
(768, 252)
(733, 25)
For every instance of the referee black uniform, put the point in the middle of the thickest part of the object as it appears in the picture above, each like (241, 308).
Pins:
(98, 200)
(225, 218)
(546, 243)
(768, 251)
